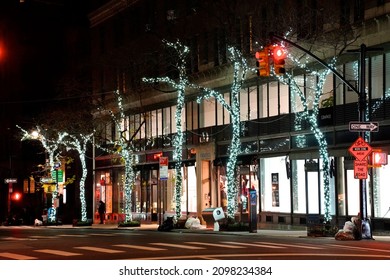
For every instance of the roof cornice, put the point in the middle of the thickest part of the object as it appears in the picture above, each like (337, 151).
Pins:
(108, 10)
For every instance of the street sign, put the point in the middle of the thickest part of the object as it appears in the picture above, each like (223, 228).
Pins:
(363, 126)
(10, 180)
(360, 149)
(163, 168)
(360, 169)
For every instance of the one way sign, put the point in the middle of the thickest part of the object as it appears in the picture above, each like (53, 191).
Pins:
(363, 126)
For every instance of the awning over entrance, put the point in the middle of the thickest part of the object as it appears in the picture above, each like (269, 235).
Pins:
(155, 165)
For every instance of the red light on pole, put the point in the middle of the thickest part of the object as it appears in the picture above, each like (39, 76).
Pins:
(2, 51)
(279, 54)
(16, 196)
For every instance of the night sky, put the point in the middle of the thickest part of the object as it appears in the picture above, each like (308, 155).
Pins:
(39, 37)
(40, 40)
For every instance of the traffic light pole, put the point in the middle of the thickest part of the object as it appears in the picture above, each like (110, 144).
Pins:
(366, 227)
(362, 118)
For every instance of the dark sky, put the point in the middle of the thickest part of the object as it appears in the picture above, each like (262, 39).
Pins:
(39, 37)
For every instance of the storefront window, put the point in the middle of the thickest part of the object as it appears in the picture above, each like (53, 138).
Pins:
(275, 185)
(351, 74)
(273, 97)
(377, 77)
(284, 99)
(299, 186)
(207, 115)
(191, 181)
(244, 106)
(332, 190)
(312, 192)
(253, 103)
(263, 101)
(353, 207)
(381, 191)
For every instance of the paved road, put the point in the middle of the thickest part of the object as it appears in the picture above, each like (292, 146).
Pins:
(111, 243)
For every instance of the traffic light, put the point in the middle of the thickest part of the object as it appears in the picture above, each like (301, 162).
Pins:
(2, 51)
(262, 62)
(378, 158)
(279, 54)
(16, 196)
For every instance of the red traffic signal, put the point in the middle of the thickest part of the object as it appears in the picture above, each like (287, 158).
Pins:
(279, 54)
(16, 196)
(2, 51)
(262, 62)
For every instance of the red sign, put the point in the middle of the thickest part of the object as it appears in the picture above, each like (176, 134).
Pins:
(360, 169)
(163, 168)
(360, 149)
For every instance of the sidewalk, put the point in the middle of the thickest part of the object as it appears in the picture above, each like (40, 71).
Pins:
(204, 230)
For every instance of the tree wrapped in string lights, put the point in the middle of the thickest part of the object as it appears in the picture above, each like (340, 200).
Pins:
(52, 147)
(79, 143)
(180, 85)
(125, 149)
(311, 116)
(240, 69)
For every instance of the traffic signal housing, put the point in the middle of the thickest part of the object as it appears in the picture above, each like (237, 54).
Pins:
(262, 63)
(279, 55)
(378, 158)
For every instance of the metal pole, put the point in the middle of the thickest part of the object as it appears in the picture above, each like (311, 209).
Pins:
(362, 118)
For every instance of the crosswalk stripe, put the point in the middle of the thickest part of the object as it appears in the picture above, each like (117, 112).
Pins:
(299, 245)
(17, 238)
(43, 237)
(177, 246)
(72, 235)
(57, 252)
(16, 256)
(140, 247)
(101, 234)
(360, 249)
(98, 249)
(255, 245)
(217, 245)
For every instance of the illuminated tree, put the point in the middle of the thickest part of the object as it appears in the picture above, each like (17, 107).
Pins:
(180, 85)
(52, 147)
(240, 69)
(311, 104)
(79, 143)
(123, 147)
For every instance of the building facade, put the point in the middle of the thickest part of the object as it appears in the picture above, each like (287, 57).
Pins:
(279, 155)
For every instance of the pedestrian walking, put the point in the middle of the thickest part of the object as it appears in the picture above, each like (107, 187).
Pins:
(102, 211)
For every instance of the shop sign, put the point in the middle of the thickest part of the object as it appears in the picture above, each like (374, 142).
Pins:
(163, 168)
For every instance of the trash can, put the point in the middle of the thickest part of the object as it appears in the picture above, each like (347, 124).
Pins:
(212, 215)
(207, 215)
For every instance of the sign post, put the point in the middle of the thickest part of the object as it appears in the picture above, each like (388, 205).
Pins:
(363, 126)
(163, 175)
(10, 181)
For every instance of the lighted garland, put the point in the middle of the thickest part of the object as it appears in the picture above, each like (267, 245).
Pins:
(312, 118)
(125, 149)
(178, 140)
(51, 146)
(240, 69)
(79, 143)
